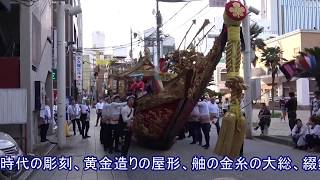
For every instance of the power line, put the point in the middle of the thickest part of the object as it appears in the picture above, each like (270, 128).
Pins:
(114, 47)
(205, 7)
(175, 14)
(191, 18)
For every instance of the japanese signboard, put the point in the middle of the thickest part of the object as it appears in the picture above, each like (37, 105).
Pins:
(78, 71)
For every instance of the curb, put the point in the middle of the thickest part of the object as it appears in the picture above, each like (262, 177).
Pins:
(26, 174)
(283, 140)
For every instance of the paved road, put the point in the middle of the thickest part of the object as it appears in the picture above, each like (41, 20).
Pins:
(79, 148)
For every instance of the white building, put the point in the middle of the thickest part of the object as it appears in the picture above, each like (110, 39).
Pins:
(98, 39)
(283, 16)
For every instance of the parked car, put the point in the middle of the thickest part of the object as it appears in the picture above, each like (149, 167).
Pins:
(9, 147)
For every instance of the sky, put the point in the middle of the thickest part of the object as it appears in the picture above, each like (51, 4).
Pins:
(116, 17)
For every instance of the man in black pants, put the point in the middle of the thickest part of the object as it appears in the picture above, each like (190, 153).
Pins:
(106, 130)
(127, 113)
(45, 117)
(74, 116)
(291, 106)
(205, 122)
(195, 127)
(85, 119)
(99, 107)
(115, 111)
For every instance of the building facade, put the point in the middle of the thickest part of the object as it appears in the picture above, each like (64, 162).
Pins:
(29, 40)
(291, 44)
(283, 16)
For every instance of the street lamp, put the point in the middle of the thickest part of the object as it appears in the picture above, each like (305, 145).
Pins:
(247, 68)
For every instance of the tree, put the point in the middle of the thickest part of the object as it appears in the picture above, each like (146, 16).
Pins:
(272, 56)
(255, 31)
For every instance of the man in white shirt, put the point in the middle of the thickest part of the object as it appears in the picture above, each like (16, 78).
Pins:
(45, 117)
(106, 131)
(214, 113)
(204, 121)
(85, 119)
(115, 109)
(298, 134)
(194, 125)
(99, 107)
(313, 133)
(127, 113)
(74, 113)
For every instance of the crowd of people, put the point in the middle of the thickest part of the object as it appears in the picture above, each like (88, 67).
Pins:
(307, 136)
(116, 117)
(116, 122)
(208, 111)
(304, 136)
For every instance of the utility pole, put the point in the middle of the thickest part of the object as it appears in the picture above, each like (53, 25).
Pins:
(61, 73)
(247, 74)
(158, 16)
(131, 43)
(247, 68)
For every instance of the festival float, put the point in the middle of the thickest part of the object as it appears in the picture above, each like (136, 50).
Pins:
(159, 117)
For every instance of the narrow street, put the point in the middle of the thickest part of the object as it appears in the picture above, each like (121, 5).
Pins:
(78, 149)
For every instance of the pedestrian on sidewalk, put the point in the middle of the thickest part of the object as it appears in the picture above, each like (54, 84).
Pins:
(45, 117)
(313, 133)
(298, 134)
(283, 108)
(204, 121)
(85, 119)
(106, 130)
(74, 113)
(194, 124)
(264, 119)
(291, 106)
(99, 107)
(127, 115)
(315, 104)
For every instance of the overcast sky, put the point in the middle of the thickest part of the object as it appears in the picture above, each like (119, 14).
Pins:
(115, 17)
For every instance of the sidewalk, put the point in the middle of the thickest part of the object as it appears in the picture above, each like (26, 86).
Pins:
(278, 128)
(279, 131)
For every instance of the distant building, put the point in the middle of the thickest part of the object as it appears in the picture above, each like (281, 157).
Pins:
(98, 39)
(283, 16)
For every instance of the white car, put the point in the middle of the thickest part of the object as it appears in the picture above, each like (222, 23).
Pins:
(9, 147)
